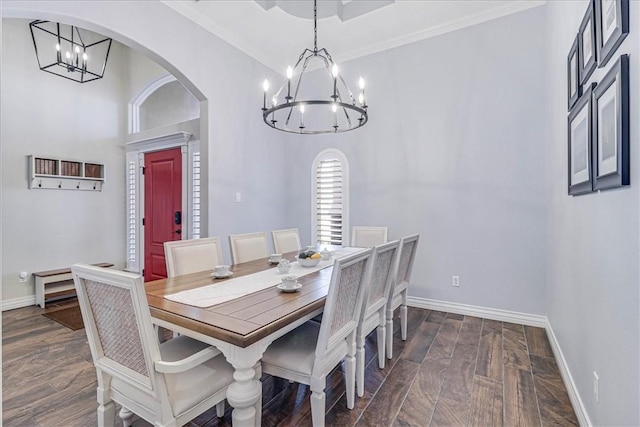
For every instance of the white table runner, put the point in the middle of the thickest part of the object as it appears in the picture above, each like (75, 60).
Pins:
(217, 293)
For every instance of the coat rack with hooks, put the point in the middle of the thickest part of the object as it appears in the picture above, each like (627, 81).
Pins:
(63, 174)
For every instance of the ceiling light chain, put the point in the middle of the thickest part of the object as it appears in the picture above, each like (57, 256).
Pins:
(315, 26)
(313, 120)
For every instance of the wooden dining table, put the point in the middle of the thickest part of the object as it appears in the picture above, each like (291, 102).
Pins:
(242, 328)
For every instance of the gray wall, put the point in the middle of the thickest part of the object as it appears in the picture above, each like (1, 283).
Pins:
(49, 116)
(453, 152)
(593, 282)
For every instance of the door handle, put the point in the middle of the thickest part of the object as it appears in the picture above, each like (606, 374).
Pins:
(178, 231)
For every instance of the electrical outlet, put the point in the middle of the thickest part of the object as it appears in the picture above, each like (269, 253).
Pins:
(455, 281)
(596, 379)
(23, 276)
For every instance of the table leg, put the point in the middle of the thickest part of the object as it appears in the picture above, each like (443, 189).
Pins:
(245, 393)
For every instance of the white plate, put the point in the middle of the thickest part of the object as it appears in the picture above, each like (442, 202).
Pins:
(294, 289)
(222, 276)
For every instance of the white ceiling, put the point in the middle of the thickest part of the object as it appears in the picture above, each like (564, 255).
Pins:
(275, 32)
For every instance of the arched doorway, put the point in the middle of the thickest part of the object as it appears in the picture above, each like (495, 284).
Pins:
(115, 178)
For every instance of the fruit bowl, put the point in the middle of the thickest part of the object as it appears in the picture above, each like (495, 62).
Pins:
(308, 262)
(309, 258)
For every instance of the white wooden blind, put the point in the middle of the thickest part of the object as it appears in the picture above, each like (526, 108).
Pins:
(329, 202)
(195, 196)
(133, 194)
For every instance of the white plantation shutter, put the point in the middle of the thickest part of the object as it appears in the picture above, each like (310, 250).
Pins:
(195, 195)
(329, 202)
(133, 221)
(330, 198)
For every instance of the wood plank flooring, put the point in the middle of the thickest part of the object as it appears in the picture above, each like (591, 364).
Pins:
(453, 370)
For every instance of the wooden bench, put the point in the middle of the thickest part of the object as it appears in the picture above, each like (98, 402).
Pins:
(57, 283)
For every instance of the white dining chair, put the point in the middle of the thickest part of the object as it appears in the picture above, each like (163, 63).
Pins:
(286, 240)
(373, 316)
(249, 246)
(166, 384)
(310, 352)
(398, 294)
(192, 256)
(368, 237)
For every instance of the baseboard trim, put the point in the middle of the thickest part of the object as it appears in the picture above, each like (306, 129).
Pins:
(565, 372)
(484, 312)
(523, 319)
(10, 304)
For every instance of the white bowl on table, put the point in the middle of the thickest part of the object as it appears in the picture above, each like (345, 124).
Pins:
(308, 262)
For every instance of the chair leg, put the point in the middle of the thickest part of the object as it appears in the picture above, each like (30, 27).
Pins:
(389, 349)
(381, 332)
(220, 409)
(107, 414)
(126, 416)
(403, 316)
(360, 365)
(317, 405)
(350, 380)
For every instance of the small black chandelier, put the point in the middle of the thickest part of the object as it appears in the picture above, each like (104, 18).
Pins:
(63, 51)
(305, 112)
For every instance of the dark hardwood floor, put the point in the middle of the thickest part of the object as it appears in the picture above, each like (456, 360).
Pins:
(453, 370)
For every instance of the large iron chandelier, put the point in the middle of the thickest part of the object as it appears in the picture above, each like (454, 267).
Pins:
(309, 110)
(63, 51)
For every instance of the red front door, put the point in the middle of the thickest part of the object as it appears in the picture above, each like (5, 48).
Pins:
(162, 208)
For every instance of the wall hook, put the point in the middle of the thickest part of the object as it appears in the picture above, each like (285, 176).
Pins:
(78, 186)
(94, 186)
(60, 184)
(40, 183)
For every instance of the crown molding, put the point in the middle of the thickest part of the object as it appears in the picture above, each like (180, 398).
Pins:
(159, 142)
(189, 12)
(470, 21)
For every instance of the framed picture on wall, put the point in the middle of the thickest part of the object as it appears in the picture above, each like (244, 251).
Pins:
(612, 26)
(573, 75)
(587, 45)
(580, 138)
(611, 128)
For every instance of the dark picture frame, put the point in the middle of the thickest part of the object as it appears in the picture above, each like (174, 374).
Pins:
(580, 138)
(587, 44)
(574, 88)
(612, 26)
(611, 128)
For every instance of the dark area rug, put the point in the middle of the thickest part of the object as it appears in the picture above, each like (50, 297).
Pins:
(67, 315)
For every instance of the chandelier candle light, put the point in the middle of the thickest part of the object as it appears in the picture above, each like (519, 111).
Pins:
(344, 112)
(84, 59)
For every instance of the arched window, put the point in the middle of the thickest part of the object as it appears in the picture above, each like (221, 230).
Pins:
(330, 202)
(164, 101)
